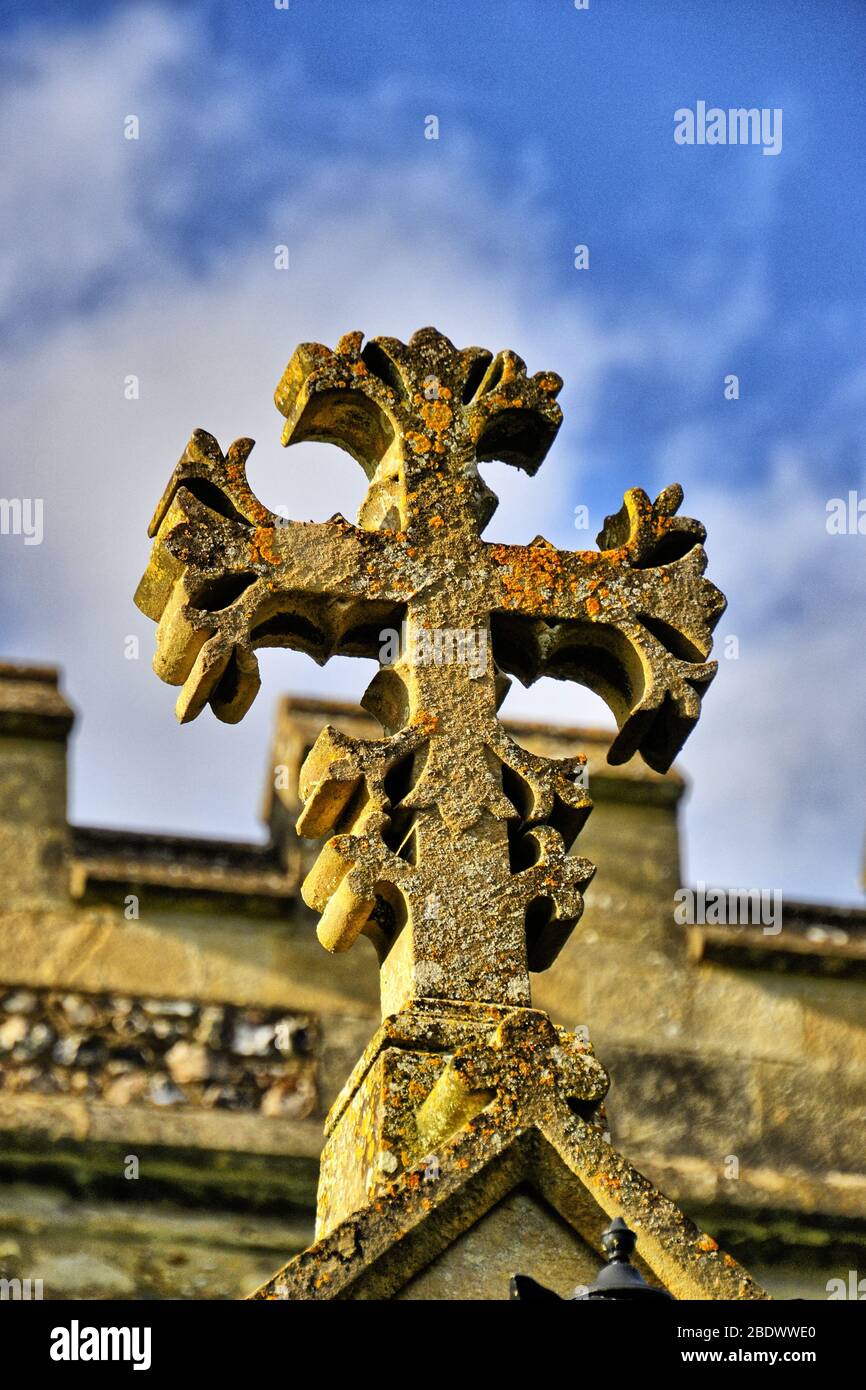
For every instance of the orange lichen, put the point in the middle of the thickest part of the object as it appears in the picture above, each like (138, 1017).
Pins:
(419, 443)
(263, 538)
(437, 415)
(530, 575)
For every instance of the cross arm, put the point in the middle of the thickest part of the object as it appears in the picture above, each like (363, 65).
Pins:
(226, 576)
(633, 621)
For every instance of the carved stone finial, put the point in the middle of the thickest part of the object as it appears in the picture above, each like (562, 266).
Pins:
(449, 843)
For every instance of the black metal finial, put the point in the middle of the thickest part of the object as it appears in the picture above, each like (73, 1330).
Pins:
(618, 1242)
(617, 1280)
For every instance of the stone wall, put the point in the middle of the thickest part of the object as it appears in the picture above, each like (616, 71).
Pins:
(161, 1052)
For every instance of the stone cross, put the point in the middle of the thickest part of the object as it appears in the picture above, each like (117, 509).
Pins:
(448, 842)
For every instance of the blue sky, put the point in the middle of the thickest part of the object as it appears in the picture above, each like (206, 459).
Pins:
(305, 127)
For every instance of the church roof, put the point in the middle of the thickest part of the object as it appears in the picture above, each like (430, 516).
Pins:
(533, 1148)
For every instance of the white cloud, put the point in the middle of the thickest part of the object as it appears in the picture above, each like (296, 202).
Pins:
(70, 198)
(778, 763)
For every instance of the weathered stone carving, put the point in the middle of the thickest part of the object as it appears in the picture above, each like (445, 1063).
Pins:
(450, 843)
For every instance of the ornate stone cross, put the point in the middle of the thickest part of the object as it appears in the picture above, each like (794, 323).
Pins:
(449, 842)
